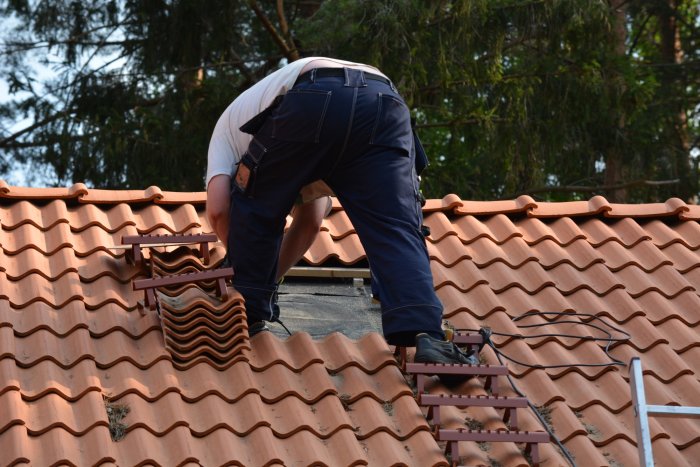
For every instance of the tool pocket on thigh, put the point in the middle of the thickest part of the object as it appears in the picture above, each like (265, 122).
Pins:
(300, 116)
(247, 173)
(392, 127)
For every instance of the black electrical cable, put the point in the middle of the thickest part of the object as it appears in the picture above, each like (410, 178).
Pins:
(277, 320)
(500, 355)
(561, 446)
(609, 339)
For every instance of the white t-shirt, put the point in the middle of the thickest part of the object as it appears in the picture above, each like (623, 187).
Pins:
(228, 142)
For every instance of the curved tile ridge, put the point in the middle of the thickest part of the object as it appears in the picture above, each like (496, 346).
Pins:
(336, 352)
(337, 224)
(62, 322)
(664, 235)
(77, 346)
(671, 207)
(179, 197)
(322, 419)
(370, 353)
(41, 217)
(563, 231)
(400, 418)
(595, 206)
(223, 447)
(582, 393)
(199, 327)
(353, 384)
(201, 380)
(80, 192)
(499, 228)
(99, 196)
(178, 219)
(48, 378)
(419, 449)
(76, 191)
(64, 260)
(347, 250)
(522, 204)
(186, 258)
(52, 411)
(58, 293)
(90, 240)
(693, 213)
(58, 447)
(78, 217)
(448, 204)
(664, 280)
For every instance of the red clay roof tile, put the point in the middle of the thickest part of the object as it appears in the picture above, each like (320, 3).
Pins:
(70, 335)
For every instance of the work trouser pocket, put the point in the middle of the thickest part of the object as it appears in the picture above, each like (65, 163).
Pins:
(248, 167)
(392, 126)
(300, 116)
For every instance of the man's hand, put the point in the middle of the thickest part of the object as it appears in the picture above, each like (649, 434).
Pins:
(218, 203)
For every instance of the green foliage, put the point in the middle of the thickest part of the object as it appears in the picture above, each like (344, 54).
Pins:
(137, 90)
(545, 97)
(516, 95)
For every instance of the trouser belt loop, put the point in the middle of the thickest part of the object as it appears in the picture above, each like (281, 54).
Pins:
(354, 78)
(393, 88)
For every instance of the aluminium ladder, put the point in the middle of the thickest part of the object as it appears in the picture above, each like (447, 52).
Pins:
(642, 411)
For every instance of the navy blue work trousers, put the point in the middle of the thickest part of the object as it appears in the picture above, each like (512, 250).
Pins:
(355, 134)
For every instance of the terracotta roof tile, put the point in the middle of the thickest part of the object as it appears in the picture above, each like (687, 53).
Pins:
(71, 336)
(448, 203)
(521, 204)
(347, 250)
(561, 230)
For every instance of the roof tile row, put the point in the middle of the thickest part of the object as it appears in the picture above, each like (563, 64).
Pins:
(70, 336)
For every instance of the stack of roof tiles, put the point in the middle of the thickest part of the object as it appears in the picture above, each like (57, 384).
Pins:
(79, 365)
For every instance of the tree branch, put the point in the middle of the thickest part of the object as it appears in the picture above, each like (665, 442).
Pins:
(5, 142)
(291, 53)
(467, 121)
(284, 27)
(590, 189)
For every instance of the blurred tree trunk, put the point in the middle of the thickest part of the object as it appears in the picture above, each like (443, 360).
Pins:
(672, 55)
(614, 158)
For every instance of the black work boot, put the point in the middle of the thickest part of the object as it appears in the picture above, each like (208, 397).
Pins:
(431, 350)
(257, 327)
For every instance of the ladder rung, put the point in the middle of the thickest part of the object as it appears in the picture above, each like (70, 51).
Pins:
(178, 279)
(673, 411)
(167, 238)
(464, 338)
(484, 436)
(149, 285)
(459, 400)
(456, 369)
(136, 241)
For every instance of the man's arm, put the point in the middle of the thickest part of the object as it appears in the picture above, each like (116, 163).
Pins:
(306, 222)
(218, 202)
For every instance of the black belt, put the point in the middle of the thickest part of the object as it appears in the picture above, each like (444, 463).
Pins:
(336, 73)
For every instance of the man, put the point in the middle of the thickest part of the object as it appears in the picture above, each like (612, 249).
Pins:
(342, 123)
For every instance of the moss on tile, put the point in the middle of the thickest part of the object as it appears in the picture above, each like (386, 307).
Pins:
(115, 416)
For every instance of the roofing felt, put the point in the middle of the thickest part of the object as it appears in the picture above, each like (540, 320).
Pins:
(77, 358)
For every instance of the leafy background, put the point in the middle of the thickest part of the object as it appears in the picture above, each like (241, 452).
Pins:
(560, 99)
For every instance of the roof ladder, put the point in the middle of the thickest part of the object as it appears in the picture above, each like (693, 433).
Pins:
(642, 411)
(422, 371)
(149, 285)
(134, 255)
